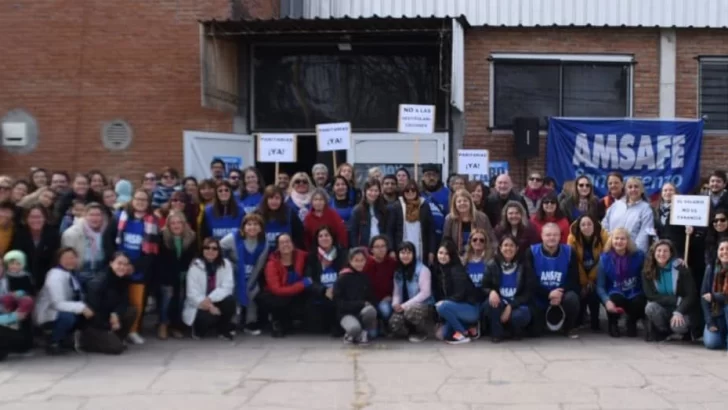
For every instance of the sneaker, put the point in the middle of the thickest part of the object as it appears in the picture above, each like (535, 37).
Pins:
(135, 339)
(417, 338)
(474, 332)
(77, 341)
(458, 339)
(162, 332)
(348, 339)
(229, 336)
(674, 337)
(363, 338)
(251, 330)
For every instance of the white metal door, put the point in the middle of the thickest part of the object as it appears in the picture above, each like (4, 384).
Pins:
(200, 148)
(382, 149)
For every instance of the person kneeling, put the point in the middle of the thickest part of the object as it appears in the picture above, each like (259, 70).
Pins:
(108, 297)
(354, 299)
(15, 308)
(210, 302)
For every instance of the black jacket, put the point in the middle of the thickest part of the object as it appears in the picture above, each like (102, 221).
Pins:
(451, 282)
(685, 291)
(673, 233)
(525, 282)
(39, 258)
(360, 225)
(169, 265)
(107, 294)
(313, 268)
(495, 205)
(352, 291)
(395, 227)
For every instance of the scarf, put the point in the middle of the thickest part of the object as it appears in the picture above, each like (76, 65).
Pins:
(94, 240)
(211, 271)
(509, 267)
(535, 194)
(664, 212)
(621, 266)
(74, 283)
(720, 285)
(149, 245)
(412, 210)
(301, 200)
(326, 258)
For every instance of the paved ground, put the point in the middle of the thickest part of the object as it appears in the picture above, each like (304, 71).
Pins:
(260, 373)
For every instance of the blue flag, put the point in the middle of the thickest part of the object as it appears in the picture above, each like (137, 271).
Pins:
(654, 150)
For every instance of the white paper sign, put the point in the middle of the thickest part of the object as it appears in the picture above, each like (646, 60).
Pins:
(416, 119)
(690, 210)
(333, 136)
(277, 147)
(473, 161)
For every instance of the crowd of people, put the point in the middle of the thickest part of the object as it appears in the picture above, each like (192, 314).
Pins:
(87, 259)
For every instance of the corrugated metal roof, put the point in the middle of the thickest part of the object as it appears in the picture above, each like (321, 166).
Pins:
(534, 13)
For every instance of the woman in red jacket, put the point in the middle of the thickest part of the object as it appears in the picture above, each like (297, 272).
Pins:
(285, 285)
(549, 212)
(322, 215)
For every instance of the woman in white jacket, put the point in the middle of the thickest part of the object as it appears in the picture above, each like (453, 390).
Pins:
(60, 305)
(210, 302)
(634, 213)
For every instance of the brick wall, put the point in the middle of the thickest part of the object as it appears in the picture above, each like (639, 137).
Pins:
(480, 43)
(76, 64)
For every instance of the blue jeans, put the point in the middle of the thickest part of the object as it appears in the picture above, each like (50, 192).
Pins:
(63, 326)
(384, 312)
(719, 339)
(165, 297)
(456, 315)
(520, 318)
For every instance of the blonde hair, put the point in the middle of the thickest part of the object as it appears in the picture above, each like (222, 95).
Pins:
(639, 183)
(631, 246)
(487, 249)
(300, 175)
(454, 214)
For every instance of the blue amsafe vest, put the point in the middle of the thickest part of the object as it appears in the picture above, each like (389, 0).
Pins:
(630, 286)
(476, 271)
(131, 243)
(550, 271)
(274, 228)
(251, 202)
(221, 226)
(246, 264)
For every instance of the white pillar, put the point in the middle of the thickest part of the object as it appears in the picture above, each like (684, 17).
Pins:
(668, 65)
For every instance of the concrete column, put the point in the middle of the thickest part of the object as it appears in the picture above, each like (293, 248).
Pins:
(668, 65)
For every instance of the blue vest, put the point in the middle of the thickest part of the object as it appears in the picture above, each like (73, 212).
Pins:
(246, 264)
(344, 213)
(508, 285)
(251, 202)
(413, 286)
(131, 243)
(631, 286)
(329, 276)
(221, 226)
(476, 271)
(301, 212)
(439, 202)
(550, 271)
(274, 228)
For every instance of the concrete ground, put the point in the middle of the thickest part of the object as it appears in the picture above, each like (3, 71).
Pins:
(304, 372)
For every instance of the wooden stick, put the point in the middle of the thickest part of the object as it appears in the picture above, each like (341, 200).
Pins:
(278, 172)
(417, 158)
(333, 156)
(687, 248)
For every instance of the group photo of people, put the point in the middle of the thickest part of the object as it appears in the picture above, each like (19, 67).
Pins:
(93, 263)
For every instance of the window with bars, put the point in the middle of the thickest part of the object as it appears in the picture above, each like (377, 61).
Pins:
(554, 86)
(713, 93)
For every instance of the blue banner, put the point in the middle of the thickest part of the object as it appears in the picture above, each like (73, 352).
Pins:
(654, 150)
(231, 163)
(496, 168)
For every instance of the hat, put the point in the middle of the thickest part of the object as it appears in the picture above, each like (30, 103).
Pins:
(123, 190)
(555, 317)
(430, 168)
(15, 255)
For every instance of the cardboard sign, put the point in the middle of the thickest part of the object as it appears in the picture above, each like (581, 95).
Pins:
(333, 136)
(277, 147)
(473, 161)
(416, 119)
(690, 210)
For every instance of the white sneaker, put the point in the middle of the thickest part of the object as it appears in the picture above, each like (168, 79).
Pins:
(135, 339)
(417, 338)
(363, 338)
(77, 341)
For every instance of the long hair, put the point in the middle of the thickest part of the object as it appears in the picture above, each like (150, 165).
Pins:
(281, 214)
(348, 187)
(631, 246)
(452, 252)
(326, 228)
(206, 183)
(129, 208)
(300, 176)
(231, 208)
(487, 250)
(592, 200)
(379, 205)
(472, 186)
(461, 193)
(219, 261)
(407, 270)
(504, 224)
(241, 185)
(651, 269)
(575, 230)
(541, 213)
(499, 256)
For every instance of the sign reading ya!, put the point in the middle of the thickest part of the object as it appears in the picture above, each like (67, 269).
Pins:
(277, 148)
(656, 151)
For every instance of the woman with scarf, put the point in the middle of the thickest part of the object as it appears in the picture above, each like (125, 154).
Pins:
(534, 192)
(39, 241)
(251, 192)
(278, 218)
(325, 260)
(321, 214)
(354, 299)
(514, 222)
(550, 212)
(411, 221)
(224, 216)
(209, 301)
(341, 200)
(714, 291)
(137, 235)
(369, 217)
(93, 241)
(299, 195)
(619, 283)
(634, 213)
(663, 228)
(60, 307)
(587, 239)
(412, 300)
(458, 300)
(508, 285)
(583, 202)
(465, 218)
(672, 297)
(177, 250)
(247, 249)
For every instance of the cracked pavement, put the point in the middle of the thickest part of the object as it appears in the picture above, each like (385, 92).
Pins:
(305, 372)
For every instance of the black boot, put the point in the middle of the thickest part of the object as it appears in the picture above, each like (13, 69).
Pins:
(614, 326)
(277, 329)
(631, 327)
(650, 331)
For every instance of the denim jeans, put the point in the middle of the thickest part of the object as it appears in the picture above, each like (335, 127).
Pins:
(63, 326)
(165, 297)
(384, 309)
(718, 339)
(520, 318)
(457, 315)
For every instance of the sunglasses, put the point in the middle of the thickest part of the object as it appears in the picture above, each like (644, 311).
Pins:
(477, 240)
(211, 248)
(535, 179)
(719, 220)
(410, 190)
(140, 199)
(300, 182)
(549, 202)
(584, 185)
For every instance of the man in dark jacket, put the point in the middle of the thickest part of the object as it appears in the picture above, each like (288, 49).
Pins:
(502, 193)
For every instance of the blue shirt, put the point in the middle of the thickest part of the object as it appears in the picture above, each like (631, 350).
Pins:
(221, 226)
(246, 263)
(251, 202)
(274, 228)
(131, 243)
(344, 212)
(550, 271)
(476, 271)
(508, 285)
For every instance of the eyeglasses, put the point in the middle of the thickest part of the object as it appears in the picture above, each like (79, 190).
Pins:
(719, 220)
(300, 182)
(211, 248)
(584, 185)
(549, 202)
(535, 179)
(477, 240)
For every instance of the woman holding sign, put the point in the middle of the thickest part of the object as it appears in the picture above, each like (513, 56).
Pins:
(663, 227)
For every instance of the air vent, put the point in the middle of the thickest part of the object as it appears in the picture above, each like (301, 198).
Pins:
(116, 135)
